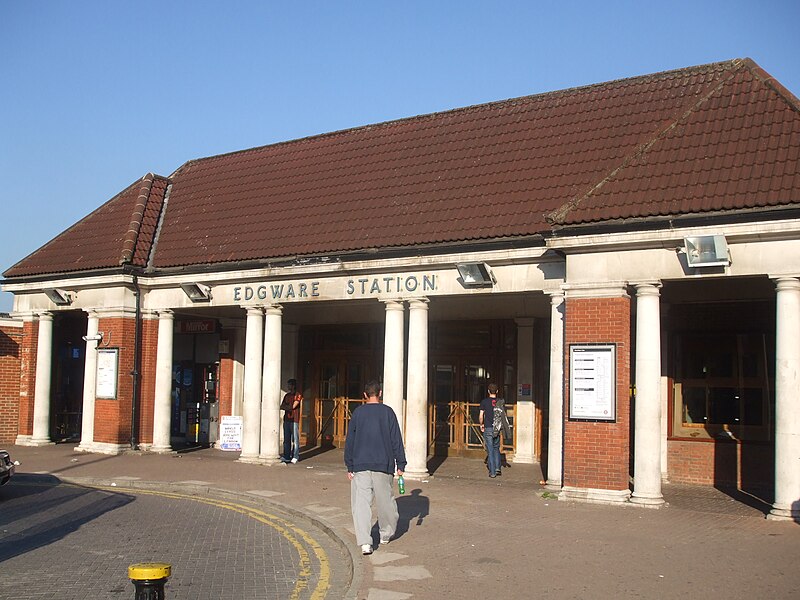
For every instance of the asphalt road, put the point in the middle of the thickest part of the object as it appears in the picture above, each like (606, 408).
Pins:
(66, 541)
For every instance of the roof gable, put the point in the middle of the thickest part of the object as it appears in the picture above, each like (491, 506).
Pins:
(120, 232)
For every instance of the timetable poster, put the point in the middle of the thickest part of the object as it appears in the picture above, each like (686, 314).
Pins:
(592, 379)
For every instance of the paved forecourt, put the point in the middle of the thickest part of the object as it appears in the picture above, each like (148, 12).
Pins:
(65, 540)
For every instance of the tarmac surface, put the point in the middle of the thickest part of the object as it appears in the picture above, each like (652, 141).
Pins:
(460, 535)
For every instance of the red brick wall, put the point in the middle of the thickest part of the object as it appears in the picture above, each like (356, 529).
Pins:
(10, 349)
(596, 455)
(226, 375)
(112, 419)
(27, 376)
(709, 462)
(147, 390)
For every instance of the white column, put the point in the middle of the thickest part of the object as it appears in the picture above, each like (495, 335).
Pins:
(89, 383)
(647, 442)
(665, 414)
(253, 356)
(41, 397)
(393, 359)
(162, 404)
(416, 437)
(555, 423)
(271, 391)
(525, 422)
(787, 405)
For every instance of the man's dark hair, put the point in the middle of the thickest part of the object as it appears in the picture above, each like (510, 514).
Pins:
(292, 382)
(493, 388)
(372, 388)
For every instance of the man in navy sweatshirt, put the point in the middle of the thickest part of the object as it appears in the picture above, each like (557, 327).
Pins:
(373, 452)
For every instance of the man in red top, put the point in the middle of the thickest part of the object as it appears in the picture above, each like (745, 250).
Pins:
(291, 423)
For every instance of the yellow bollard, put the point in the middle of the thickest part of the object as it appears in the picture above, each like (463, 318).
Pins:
(149, 579)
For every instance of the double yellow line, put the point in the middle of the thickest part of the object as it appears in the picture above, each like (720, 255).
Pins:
(296, 536)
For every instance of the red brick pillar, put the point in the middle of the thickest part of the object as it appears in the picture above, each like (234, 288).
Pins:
(147, 388)
(112, 426)
(27, 377)
(10, 345)
(596, 453)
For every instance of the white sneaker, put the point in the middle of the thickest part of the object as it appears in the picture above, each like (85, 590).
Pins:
(294, 461)
(366, 549)
(384, 541)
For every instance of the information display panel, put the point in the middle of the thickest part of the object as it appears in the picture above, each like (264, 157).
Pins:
(592, 382)
(107, 367)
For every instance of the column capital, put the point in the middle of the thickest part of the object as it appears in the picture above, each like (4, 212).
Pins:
(165, 313)
(273, 309)
(44, 315)
(254, 311)
(394, 304)
(92, 312)
(787, 283)
(524, 321)
(647, 288)
(418, 303)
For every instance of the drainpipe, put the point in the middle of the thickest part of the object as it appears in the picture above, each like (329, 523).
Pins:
(137, 351)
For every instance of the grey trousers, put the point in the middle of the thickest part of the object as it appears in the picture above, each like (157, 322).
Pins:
(363, 487)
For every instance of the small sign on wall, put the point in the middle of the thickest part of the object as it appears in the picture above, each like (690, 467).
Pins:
(107, 370)
(592, 382)
(524, 391)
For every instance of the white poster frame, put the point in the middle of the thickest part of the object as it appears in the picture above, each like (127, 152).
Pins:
(107, 373)
(596, 401)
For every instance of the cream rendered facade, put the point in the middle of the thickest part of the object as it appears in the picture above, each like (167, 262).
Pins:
(531, 287)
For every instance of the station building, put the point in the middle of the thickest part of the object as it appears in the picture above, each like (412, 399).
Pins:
(623, 259)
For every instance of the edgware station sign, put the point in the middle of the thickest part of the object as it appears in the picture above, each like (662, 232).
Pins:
(362, 287)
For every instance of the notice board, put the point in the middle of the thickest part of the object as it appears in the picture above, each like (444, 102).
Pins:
(592, 382)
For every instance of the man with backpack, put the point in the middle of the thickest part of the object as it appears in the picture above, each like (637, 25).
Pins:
(494, 423)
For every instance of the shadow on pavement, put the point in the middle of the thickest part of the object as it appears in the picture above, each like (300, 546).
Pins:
(38, 510)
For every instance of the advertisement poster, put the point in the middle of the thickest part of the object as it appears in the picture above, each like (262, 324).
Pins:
(230, 433)
(592, 382)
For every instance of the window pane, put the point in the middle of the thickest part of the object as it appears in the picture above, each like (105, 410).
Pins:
(753, 402)
(724, 405)
(694, 405)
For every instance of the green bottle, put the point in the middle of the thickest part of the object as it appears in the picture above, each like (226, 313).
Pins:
(401, 485)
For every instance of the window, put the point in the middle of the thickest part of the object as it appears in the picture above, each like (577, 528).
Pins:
(722, 386)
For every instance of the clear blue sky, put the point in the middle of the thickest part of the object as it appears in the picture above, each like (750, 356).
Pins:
(95, 94)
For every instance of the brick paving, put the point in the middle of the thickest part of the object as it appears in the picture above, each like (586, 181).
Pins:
(461, 532)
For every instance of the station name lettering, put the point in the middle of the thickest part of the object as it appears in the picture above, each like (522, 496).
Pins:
(366, 286)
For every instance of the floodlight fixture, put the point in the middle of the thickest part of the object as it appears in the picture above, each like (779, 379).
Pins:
(197, 292)
(707, 251)
(58, 296)
(476, 275)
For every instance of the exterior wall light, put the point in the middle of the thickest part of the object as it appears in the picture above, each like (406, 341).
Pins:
(706, 251)
(197, 292)
(475, 275)
(58, 297)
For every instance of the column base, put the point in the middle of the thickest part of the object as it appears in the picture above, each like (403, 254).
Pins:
(416, 475)
(269, 461)
(38, 443)
(524, 460)
(594, 495)
(648, 501)
(161, 450)
(553, 485)
(250, 459)
(781, 513)
(23, 440)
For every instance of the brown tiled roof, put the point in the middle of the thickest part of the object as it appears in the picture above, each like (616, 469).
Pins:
(119, 232)
(717, 137)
